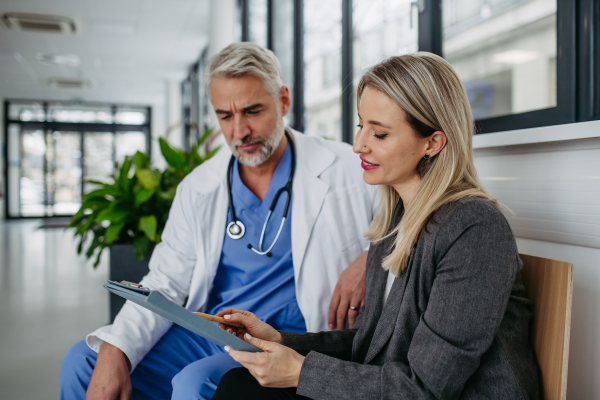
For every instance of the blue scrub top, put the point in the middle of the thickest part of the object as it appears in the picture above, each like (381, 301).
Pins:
(248, 281)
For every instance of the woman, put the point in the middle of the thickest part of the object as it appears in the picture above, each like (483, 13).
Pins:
(445, 313)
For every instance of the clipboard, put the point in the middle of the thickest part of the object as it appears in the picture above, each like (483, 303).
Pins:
(158, 304)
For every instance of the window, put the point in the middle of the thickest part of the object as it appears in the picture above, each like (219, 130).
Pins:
(504, 51)
(518, 59)
(54, 148)
(381, 29)
(322, 67)
(257, 22)
(283, 46)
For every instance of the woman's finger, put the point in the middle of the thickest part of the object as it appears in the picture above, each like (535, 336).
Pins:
(243, 357)
(232, 311)
(263, 345)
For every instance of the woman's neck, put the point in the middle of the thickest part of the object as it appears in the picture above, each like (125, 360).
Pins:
(407, 189)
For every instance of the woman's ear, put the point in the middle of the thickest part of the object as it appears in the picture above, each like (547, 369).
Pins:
(436, 142)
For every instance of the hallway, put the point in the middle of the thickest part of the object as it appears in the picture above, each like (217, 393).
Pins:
(50, 298)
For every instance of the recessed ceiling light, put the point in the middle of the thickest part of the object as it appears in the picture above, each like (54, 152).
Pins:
(70, 60)
(39, 23)
(69, 83)
(113, 27)
(515, 56)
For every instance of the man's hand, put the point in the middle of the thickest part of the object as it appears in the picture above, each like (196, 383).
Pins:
(349, 291)
(110, 379)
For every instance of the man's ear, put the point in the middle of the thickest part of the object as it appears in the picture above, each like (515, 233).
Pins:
(284, 100)
(436, 142)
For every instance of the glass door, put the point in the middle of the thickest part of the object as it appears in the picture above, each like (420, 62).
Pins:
(32, 188)
(63, 177)
(98, 156)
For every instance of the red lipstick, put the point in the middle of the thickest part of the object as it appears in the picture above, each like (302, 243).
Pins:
(367, 166)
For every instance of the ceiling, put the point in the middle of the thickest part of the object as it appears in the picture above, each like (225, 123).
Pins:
(128, 49)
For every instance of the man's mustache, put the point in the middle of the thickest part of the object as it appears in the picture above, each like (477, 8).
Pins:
(249, 140)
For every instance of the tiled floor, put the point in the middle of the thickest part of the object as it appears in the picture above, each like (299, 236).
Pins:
(50, 298)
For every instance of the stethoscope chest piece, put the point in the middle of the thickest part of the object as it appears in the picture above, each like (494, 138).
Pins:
(236, 229)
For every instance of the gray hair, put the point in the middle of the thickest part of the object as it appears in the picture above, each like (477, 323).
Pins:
(243, 59)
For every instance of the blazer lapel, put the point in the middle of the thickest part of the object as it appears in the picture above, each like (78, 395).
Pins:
(308, 192)
(373, 306)
(387, 322)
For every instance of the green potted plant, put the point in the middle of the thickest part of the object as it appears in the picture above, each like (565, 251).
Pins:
(129, 214)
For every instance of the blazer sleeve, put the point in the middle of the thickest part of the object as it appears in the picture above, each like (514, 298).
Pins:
(476, 264)
(135, 329)
(336, 344)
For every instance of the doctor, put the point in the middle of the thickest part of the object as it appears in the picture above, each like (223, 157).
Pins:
(270, 226)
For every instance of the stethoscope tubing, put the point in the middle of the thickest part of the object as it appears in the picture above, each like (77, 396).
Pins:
(287, 188)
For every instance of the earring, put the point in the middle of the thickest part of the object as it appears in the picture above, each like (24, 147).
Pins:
(426, 157)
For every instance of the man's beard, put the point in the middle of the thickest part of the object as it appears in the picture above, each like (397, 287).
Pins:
(266, 150)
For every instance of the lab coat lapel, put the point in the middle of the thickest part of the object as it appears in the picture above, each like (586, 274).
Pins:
(308, 192)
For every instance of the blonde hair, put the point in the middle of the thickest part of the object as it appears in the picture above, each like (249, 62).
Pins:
(426, 87)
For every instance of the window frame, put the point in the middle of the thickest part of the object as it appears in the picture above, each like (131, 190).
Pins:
(578, 65)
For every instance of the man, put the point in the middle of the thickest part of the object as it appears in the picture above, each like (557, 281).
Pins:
(216, 253)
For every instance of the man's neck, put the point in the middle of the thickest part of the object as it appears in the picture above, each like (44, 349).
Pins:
(258, 178)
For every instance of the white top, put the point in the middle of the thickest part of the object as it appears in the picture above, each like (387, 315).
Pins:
(388, 286)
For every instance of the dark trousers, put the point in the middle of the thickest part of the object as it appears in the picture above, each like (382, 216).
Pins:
(238, 383)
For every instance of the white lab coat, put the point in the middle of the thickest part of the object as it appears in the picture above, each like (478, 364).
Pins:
(332, 208)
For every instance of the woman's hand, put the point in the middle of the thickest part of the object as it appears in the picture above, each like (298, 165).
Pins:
(252, 325)
(276, 367)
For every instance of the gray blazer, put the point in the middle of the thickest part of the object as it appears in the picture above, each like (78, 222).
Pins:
(455, 324)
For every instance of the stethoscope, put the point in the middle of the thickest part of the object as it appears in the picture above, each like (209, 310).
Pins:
(236, 228)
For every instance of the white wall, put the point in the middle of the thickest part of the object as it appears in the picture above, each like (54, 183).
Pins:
(550, 179)
(2, 172)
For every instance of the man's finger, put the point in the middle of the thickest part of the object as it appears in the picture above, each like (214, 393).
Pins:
(341, 313)
(125, 395)
(358, 298)
(333, 306)
(352, 315)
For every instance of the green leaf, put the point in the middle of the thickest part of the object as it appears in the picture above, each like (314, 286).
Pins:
(143, 195)
(150, 179)
(205, 136)
(112, 232)
(93, 182)
(148, 226)
(95, 203)
(93, 246)
(124, 174)
(141, 245)
(107, 190)
(85, 227)
(113, 214)
(140, 160)
(211, 153)
(168, 194)
(173, 157)
(98, 256)
(80, 245)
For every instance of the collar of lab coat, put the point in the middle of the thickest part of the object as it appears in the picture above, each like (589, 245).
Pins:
(308, 190)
